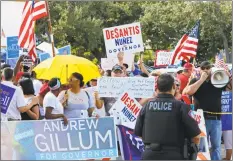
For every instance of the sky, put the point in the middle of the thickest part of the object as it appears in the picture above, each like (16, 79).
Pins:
(11, 17)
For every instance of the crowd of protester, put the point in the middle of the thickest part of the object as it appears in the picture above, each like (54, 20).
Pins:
(36, 99)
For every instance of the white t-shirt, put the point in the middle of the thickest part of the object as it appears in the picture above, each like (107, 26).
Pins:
(16, 102)
(77, 103)
(50, 100)
(37, 86)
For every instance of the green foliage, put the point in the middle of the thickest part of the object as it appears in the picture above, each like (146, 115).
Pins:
(80, 24)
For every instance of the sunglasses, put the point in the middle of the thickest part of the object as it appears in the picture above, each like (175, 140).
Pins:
(207, 68)
(117, 71)
(72, 79)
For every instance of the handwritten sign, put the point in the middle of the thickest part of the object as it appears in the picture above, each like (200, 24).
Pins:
(90, 89)
(7, 94)
(81, 139)
(163, 58)
(138, 87)
(126, 110)
(12, 47)
(226, 107)
(124, 38)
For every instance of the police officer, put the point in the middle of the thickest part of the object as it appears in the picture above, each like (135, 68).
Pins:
(164, 123)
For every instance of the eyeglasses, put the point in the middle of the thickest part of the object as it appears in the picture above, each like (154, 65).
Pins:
(118, 72)
(207, 68)
(72, 79)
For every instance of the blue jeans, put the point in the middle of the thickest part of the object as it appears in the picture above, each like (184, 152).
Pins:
(214, 132)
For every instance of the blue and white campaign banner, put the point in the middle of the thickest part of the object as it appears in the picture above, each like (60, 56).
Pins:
(226, 108)
(12, 47)
(81, 139)
(44, 56)
(6, 94)
(66, 50)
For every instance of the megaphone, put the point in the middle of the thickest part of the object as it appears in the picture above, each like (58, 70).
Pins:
(219, 78)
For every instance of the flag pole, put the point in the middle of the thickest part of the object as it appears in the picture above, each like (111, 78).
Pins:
(50, 28)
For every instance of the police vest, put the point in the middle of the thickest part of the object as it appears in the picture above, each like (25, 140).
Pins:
(162, 122)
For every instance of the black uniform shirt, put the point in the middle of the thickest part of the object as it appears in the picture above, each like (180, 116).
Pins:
(183, 126)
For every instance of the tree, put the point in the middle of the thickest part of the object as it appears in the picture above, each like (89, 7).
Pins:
(81, 24)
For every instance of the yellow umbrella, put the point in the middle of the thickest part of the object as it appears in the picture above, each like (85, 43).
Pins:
(62, 66)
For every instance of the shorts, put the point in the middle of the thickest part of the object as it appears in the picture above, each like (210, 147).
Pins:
(227, 137)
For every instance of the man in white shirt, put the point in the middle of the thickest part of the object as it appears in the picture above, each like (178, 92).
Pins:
(18, 104)
(36, 83)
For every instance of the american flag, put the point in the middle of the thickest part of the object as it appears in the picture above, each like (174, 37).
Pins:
(32, 11)
(187, 45)
(219, 62)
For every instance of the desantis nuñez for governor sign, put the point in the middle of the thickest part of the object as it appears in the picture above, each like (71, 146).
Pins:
(81, 139)
(125, 38)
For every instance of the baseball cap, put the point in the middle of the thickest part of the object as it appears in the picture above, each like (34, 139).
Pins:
(205, 64)
(44, 89)
(188, 66)
(117, 67)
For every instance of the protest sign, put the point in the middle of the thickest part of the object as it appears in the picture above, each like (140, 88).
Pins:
(162, 58)
(204, 153)
(81, 139)
(3, 54)
(12, 47)
(66, 50)
(127, 109)
(7, 94)
(44, 56)
(124, 38)
(47, 48)
(226, 108)
(138, 87)
(131, 146)
(108, 63)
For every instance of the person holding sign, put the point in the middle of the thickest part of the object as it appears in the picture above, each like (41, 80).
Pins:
(53, 107)
(164, 123)
(76, 100)
(117, 71)
(18, 104)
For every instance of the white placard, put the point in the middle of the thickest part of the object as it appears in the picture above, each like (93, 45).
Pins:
(138, 87)
(108, 63)
(163, 58)
(126, 110)
(124, 38)
(91, 89)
